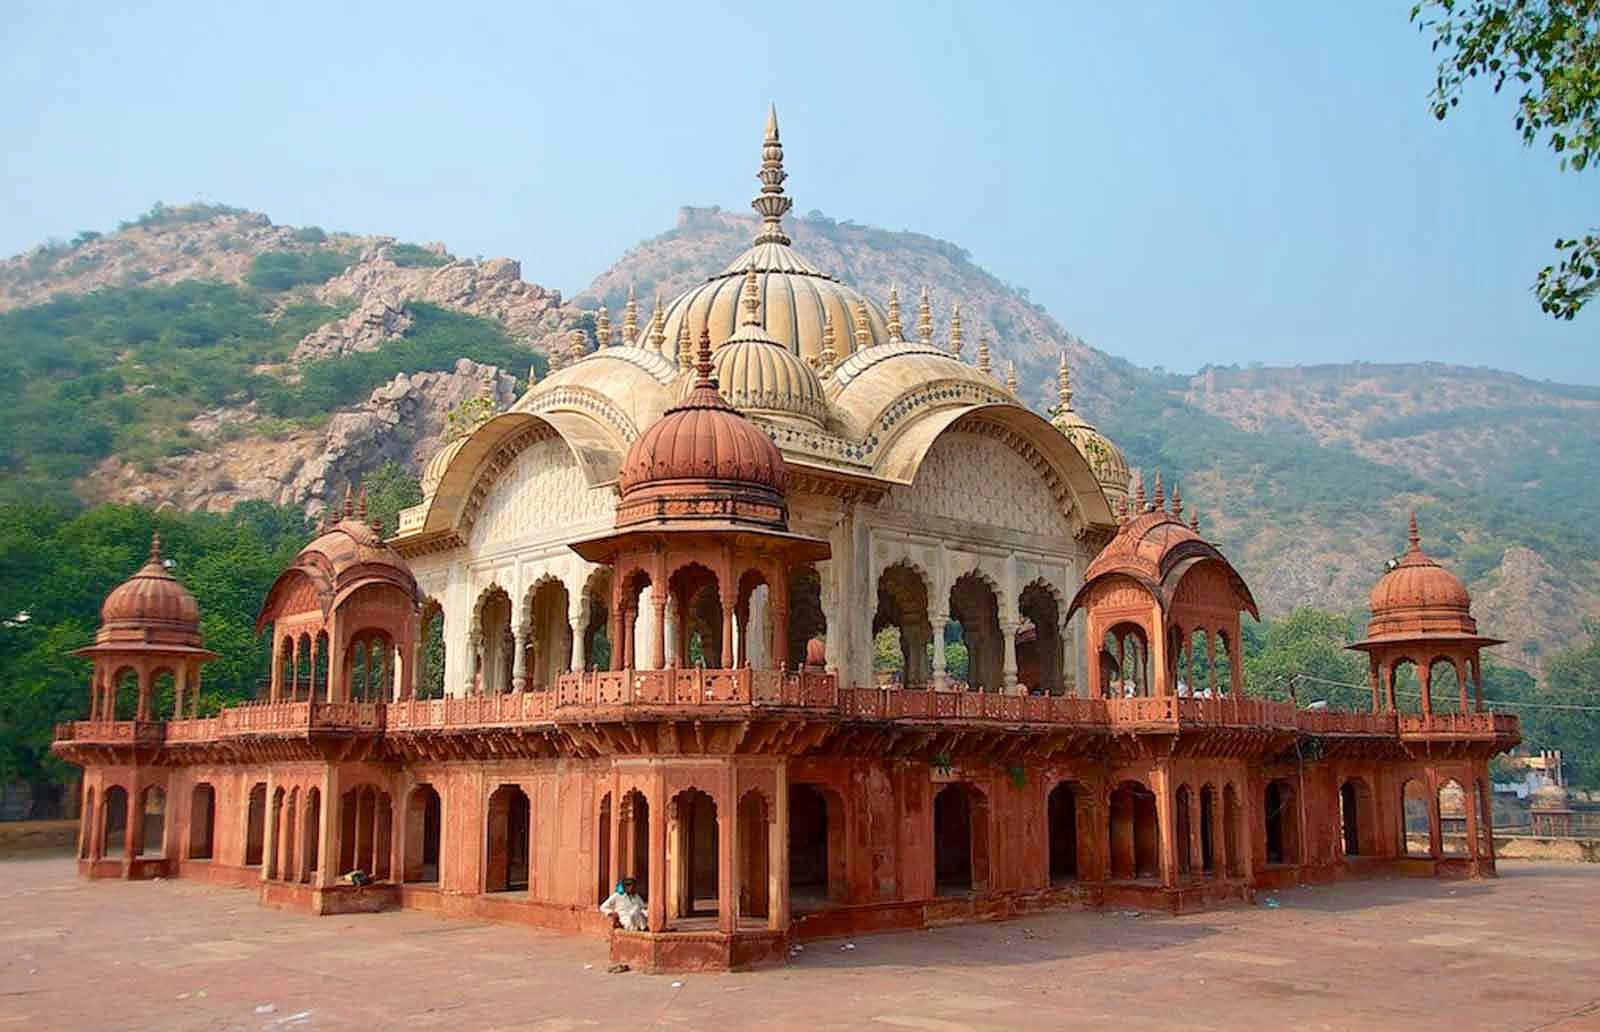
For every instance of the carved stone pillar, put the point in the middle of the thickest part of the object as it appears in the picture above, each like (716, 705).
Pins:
(658, 636)
(475, 647)
(519, 659)
(940, 677)
(670, 629)
(1008, 668)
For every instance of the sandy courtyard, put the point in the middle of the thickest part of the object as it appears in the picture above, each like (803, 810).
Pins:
(1522, 952)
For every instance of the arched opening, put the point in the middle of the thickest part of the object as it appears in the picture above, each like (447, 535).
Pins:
(357, 670)
(753, 620)
(364, 822)
(506, 866)
(1407, 690)
(548, 647)
(272, 857)
(960, 839)
(494, 642)
(1452, 802)
(816, 848)
(430, 676)
(1201, 677)
(902, 609)
(753, 843)
(698, 602)
(1282, 827)
(1040, 653)
(164, 695)
(1208, 830)
(633, 840)
(304, 684)
(380, 668)
(806, 619)
(1135, 833)
(115, 825)
(1061, 815)
(974, 606)
(1232, 832)
(152, 840)
(1129, 670)
(255, 824)
(1183, 828)
(692, 854)
(1356, 820)
(125, 704)
(311, 823)
(318, 686)
(286, 668)
(202, 821)
(1223, 664)
(86, 826)
(1416, 834)
(597, 634)
(1444, 686)
(424, 825)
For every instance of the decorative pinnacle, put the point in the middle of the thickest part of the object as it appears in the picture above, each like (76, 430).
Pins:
(1194, 521)
(579, 346)
(863, 331)
(828, 356)
(685, 349)
(896, 331)
(750, 298)
(602, 327)
(630, 318)
(771, 203)
(533, 375)
(349, 500)
(1413, 538)
(702, 365)
(983, 353)
(658, 328)
(1138, 494)
(1011, 377)
(1161, 499)
(1177, 500)
(1064, 383)
(155, 546)
(924, 318)
(955, 330)
(361, 505)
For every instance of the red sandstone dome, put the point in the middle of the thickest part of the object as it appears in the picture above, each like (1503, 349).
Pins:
(346, 556)
(1418, 597)
(703, 461)
(152, 606)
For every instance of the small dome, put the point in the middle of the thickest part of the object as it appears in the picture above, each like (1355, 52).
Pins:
(1420, 597)
(1104, 457)
(703, 462)
(347, 555)
(152, 606)
(756, 374)
(434, 471)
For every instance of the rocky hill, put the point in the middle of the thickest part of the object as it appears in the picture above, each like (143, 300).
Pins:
(207, 357)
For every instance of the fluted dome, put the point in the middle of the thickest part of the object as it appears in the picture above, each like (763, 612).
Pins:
(1104, 457)
(758, 375)
(435, 469)
(703, 462)
(347, 555)
(1418, 597)
(151, 606)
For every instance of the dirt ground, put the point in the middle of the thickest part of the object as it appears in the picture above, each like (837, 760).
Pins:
(1520, 952)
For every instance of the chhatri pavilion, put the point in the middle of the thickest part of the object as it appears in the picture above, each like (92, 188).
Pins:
(659, 579)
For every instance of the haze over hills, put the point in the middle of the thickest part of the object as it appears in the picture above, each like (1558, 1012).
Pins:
(312, 344)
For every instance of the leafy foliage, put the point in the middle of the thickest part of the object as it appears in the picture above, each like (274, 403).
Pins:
(1303, 656)
(1550, 49)
(1565, 713)
(282, 270)
(412, 256)
(389, 490)
(56, 566)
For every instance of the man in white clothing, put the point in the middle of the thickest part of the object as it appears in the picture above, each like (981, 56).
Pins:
(627, 907)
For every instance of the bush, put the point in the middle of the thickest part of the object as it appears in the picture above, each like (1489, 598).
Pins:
(281, 270)
(413, 257)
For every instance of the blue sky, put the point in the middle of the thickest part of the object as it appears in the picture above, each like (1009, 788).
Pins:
(1180, 184)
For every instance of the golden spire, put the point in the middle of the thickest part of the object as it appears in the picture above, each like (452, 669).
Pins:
(685, 351)
(658, 328)
(771, 203)
(533, 375)
(750, 299)
(863, 331)
(924, 318)
(955, 330)
(1011, 377)
(828, 356)
(1064, 384)
(896, 331)
(630, 319)
(983, 352)
(579, 346)
(602, 327)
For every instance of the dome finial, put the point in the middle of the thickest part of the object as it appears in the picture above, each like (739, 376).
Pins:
(829, 356)
(602, 327)
(658, 328)
(771, 203)
(155, 546)
(924, 318)
(630, 318)
(1194, 520)
(1011, 377)
(1138, 495)
(1413, 538)
(579, 345)
(349, 500)
(1064, 384)
(983, 352)
(1177, 500)
(896, 331)
(863, 331)
(702, 365)
(361, 505)
(955, 330)
(1161, 497)
(685, 349)
(750, 298)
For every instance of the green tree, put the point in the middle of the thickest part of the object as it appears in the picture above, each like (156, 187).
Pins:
(1567, 712)
(1306, 650)
(1550, 50)
(389, 490)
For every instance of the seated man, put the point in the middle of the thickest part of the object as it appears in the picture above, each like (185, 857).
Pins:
(626, 907)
